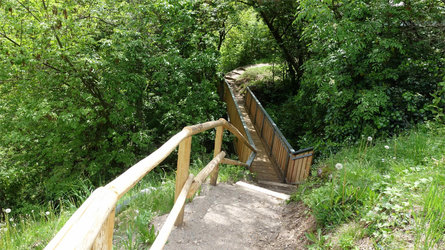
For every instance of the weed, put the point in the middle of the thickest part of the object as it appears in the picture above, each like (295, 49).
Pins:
(318, 239)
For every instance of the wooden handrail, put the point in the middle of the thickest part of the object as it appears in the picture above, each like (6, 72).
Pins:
(292, 165)
(91, 226)
(204, 173)
(236, 119)
(162, 237)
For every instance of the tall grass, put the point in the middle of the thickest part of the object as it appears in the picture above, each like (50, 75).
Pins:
(430, 221)
(393, 189)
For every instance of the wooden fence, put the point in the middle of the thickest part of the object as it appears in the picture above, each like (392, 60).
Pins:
(294, 165)
(91, 226)
(244, 153)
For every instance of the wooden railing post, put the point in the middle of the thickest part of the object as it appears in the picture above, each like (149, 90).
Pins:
(105, 238)
(182, 172)
(217, 150)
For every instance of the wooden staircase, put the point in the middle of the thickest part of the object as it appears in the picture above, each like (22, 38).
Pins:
(262, 165)
(276, 160)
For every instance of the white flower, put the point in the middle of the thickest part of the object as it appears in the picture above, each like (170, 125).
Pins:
(369, 138)
(32, 211)
(394, 157)
(11, 219)
(47, 213)
(386, 176)
(386, 146)
(338, 166)
(383, 160)
(8, 210)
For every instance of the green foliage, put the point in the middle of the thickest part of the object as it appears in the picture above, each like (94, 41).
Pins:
(88, 88)
(381, 188)
(247, 42)
(372, 69)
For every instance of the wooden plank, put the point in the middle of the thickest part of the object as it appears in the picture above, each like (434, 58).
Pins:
(133, 175)
(294, 170)
(303, 169)
(286, 170)
(105, 238)
(263, 190)
(233, 162)
(308, 167)
(177, 209)
(81, 230)
(182, 171)
(216, 152)
(202, 175)
(198, 128)
(276, 184)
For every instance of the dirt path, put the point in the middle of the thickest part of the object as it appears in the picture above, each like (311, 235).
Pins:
(232, 217)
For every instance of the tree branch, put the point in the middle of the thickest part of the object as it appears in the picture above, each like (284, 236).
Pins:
(29, 11)
(10, 39)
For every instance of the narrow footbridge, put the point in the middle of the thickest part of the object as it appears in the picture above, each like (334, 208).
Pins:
(259, 145)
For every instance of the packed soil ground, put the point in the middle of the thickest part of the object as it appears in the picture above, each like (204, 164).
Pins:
(232, 217)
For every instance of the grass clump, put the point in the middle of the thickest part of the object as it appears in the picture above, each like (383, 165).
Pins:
(390, 191)
(35, 229)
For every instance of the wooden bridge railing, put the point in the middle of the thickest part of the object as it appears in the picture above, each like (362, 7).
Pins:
(91, 226)
(236, 118)
(294, 165)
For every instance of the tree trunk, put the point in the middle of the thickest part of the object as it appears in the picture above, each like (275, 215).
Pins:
(292, 64)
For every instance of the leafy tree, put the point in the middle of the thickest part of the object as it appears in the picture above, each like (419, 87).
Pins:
(88, 88)
(280, 18)
(373, 66)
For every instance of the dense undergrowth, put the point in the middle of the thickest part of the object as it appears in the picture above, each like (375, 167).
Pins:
(381, 194)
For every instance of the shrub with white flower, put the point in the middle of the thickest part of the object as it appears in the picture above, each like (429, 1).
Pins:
(8, 210)
(47, 213)
(369, 138)
(386, 147)
(338, 166)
